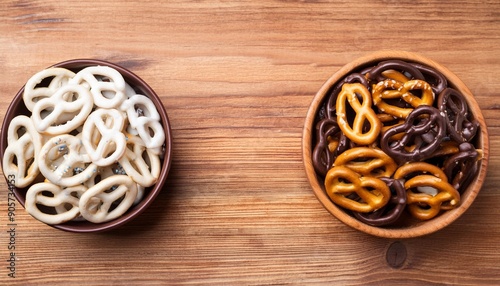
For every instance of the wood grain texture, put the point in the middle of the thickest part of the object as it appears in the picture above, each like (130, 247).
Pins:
(237, 78)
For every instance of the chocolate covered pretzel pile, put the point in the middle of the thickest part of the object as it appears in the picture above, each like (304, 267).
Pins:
(395, 136)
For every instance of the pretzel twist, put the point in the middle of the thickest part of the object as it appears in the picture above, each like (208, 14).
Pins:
(140, 163)
(325, 151)
(392, 211)
(425, 206)
(423, 129)
(461, 167)
(367, 162)
(61, 105)
(364, 114)
(144, 120)
(60, 198)
(107, 85)
(376, 73)
(341, 182)
(392, 89)
(115, 194)
(106, 124)
(60, 156)
(461, 125)
(20, 156)
(330, 106)
(412, 169)
(33, 92)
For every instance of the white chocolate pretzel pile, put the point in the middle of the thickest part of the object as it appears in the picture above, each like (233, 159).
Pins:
(96, 142)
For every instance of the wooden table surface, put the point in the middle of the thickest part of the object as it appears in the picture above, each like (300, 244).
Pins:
(237, 78)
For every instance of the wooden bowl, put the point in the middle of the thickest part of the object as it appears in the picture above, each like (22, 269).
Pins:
(408, 227)
(17, 107)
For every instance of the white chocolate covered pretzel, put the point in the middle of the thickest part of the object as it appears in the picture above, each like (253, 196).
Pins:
(109, 171)
(33, 93)
(58, 105)
(38, 196)
(106, 84)
(144, 118)
(116, 195)
(140, 163)
(24, 144)
(61, 156)
(107, 123)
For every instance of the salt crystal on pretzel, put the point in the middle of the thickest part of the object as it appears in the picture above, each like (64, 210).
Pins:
(390, 89)
(116, 195)
(80, 104)
(20, 156)
(69, 154)
(37, 196)
(111, 146)
(109, 93)
(33, 93)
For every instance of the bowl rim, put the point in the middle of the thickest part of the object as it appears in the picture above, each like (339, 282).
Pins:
(421, 228)
(133, 211)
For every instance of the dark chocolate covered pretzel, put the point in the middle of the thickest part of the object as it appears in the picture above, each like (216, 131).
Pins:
(462, 127)
(375, 74)
(424, 130)
(391, 212)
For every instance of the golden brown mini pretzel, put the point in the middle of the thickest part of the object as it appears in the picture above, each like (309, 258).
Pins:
(341, 182)
(413, 169)
(395, 75)
(389, 121)
(367, 161)
(392, 89)
(425, 206)
(364, 113)
(446, 148)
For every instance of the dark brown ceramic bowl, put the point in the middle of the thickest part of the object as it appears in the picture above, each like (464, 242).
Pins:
(408, 227)
(17, 107)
